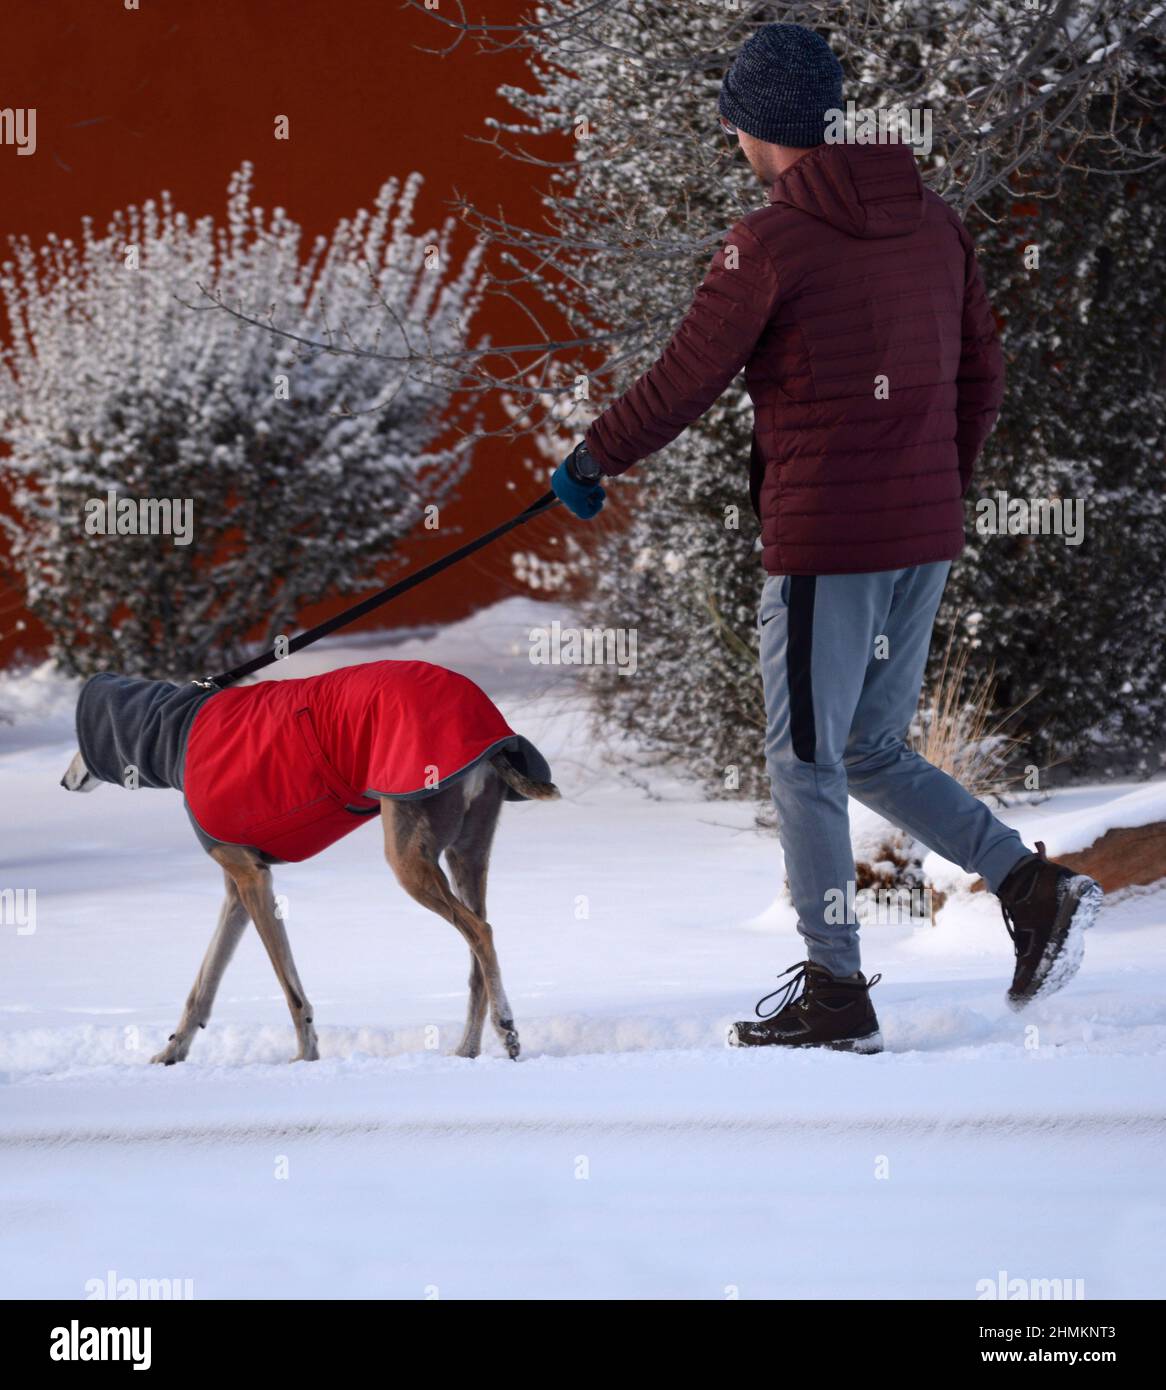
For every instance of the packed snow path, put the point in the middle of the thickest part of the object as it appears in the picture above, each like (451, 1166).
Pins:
(629, 1153)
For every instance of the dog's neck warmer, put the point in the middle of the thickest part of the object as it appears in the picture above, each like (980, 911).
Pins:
(133, 731)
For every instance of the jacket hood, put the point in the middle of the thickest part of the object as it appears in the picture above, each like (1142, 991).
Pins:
(867, 191)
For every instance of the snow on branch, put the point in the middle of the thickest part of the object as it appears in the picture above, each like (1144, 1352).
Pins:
(304, 456)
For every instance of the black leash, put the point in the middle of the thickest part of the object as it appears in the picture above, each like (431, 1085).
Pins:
(369, 605)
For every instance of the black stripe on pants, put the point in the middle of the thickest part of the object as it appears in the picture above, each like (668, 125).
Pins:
(799, 654)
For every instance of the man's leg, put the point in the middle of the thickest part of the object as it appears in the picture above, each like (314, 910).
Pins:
(888, 776)
(817, 636)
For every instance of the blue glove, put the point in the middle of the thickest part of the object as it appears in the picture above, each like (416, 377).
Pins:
(581, 495)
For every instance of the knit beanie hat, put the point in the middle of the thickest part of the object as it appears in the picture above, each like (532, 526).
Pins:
(781, 85)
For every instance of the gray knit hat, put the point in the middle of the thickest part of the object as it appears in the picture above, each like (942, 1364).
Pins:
(781, 85)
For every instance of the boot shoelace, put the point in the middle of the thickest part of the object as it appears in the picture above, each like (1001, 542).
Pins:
(790, 988)
(787, 990)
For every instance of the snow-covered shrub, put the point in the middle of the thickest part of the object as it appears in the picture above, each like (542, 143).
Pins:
(1076, 632)
(302, 468)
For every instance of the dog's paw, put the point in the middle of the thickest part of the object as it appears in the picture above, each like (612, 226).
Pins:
(174, 1051)
(504, 1027)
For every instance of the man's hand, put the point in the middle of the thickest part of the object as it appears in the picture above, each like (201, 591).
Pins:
(576, 483)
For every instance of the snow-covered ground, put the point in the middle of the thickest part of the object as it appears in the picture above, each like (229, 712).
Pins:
(629, 1153)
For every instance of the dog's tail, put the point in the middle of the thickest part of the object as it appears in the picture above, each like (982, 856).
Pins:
(536, 791)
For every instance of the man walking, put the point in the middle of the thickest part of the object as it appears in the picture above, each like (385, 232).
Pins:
(855, 306)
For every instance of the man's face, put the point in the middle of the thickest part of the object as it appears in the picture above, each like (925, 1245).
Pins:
(767, 161)
(761, 157)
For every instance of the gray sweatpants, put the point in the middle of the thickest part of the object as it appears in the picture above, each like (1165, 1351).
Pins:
(842, 660)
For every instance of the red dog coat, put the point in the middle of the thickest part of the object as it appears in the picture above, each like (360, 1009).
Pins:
(290, 766)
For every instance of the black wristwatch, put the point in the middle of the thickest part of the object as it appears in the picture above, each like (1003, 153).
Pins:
(582, 465)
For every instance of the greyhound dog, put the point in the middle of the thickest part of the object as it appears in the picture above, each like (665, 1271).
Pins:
(456, 818)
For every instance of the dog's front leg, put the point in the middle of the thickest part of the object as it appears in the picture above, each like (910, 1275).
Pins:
(232, 921)
(253, 879)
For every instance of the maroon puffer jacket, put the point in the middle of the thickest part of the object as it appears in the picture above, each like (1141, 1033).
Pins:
(853, 273)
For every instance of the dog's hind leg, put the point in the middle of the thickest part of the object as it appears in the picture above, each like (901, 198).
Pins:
(471, 1042)
(253, 880)
(412, 846)
(232, 921)
(469, 860)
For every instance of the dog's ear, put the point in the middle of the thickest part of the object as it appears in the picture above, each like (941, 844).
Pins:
(78, 778)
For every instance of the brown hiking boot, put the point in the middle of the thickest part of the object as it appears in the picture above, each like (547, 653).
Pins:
(1046, 908)
(829, 1012)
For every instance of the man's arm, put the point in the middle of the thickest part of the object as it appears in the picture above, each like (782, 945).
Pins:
(712, 344)
(980, 379)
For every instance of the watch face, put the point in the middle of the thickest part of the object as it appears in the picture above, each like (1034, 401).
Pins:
(585, 464)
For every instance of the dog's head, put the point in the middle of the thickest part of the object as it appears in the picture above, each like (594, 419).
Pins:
(78, 778)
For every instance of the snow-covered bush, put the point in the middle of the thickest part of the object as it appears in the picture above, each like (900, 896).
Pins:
(1075, 630)
(265, 474)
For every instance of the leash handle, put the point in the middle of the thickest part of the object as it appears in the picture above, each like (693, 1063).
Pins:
(374, 601)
